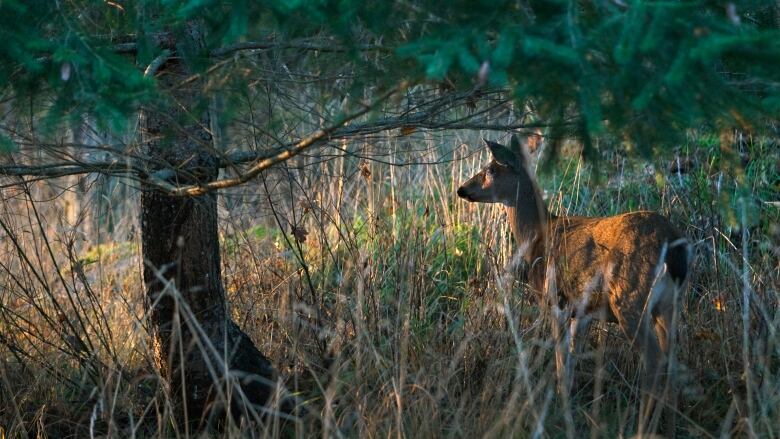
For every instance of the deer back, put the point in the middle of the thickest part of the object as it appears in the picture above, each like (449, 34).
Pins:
(608, 263)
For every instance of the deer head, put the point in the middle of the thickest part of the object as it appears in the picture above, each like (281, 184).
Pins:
(507, 180)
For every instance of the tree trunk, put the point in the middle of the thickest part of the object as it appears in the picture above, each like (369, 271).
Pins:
(196, 342)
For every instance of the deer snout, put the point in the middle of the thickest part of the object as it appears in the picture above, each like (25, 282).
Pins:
(463, 194)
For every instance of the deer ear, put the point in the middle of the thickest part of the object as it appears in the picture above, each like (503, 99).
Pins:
(502, 154)
(523, 148)
(515, 146)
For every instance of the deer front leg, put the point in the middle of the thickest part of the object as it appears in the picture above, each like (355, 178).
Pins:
(579, 327)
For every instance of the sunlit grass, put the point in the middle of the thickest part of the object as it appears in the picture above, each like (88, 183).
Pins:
(394, 316)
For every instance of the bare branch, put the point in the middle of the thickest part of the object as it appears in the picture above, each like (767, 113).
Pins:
(164, 40)
(156, 63)
(260, 166)
(429, 114)
(272, 45)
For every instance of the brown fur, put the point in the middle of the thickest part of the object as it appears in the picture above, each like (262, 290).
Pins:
(612, 258)
(626, 268)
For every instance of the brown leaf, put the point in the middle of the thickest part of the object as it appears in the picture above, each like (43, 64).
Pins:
(705, 334)
(365, 170)
(407, 129)
(471, 103)
(308, 204)
(299, 233)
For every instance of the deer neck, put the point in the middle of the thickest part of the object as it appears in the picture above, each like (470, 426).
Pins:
(528, 219)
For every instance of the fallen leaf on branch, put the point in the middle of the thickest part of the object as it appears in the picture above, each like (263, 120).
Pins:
(299, 233)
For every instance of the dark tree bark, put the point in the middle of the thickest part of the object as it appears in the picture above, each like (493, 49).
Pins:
(194, 336)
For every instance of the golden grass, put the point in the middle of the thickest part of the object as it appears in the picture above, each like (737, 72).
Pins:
(402, 321)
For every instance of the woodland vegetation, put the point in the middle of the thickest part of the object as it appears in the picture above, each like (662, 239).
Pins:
(238, 219)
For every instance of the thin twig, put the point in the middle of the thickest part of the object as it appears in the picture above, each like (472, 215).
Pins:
(156, 63)
(269, 45)
(426, 116)
(260, 166)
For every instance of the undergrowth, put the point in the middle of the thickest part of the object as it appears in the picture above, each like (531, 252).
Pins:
(393, 314)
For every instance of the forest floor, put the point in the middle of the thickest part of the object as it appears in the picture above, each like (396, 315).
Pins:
(383, 301)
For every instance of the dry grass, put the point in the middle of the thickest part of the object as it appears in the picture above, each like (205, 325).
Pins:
(395, 317)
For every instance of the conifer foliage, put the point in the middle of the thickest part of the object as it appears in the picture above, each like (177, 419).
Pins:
(639, 70)
(628, 71)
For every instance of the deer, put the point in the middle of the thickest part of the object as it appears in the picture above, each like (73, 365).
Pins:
(628, 268)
